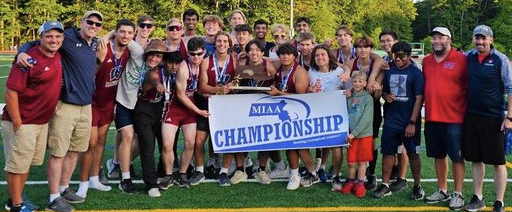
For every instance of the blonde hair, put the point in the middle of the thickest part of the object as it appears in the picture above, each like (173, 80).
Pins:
(235, 12)
(359, 75)
(174, 20)
(281, 27)
(213, 18)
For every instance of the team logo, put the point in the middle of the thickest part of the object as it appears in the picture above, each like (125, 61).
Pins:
(115, 73)
(276, 106)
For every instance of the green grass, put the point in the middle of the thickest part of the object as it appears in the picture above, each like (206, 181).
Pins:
(5, 67)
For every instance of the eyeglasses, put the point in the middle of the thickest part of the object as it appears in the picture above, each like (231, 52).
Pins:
(195, 54)
(145, 25)
(97, 24)
(400, 55)
(279, 35)
(174, 28)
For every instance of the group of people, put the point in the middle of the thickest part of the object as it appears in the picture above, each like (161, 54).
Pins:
(66, 88)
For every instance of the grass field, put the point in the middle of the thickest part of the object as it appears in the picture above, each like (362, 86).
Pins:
(250, 195)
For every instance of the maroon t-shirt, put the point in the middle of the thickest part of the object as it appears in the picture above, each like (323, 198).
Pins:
(212, 73)
(38, 88)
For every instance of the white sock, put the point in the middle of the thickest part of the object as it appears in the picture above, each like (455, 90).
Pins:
(224, 170)
(125, 175)
(480, 196)
(62, 188)
(200, 169)
(94, 179)
(280, 165)
(294, 172)
(313, 173)
(54, 196)
(82, 189)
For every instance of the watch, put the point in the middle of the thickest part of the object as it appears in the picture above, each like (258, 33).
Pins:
(412, 122)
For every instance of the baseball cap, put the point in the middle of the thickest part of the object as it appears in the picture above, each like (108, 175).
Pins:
(482, 30)
(93, 12)
(442, 30)
(49, 25)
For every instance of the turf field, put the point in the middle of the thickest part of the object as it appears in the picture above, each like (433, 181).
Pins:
(248, 196)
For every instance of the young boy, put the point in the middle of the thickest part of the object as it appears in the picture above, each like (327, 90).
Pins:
(403, 92)
(360, 139)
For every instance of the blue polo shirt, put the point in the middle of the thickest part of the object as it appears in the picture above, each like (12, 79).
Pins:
(78, 64)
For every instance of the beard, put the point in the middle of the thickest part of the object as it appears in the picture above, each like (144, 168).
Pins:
(440, 52)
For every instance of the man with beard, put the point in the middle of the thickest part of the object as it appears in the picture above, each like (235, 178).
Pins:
(190, 18)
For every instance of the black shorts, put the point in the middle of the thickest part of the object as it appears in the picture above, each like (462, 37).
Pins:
(443, 139)
(483, 140)
(202, 122)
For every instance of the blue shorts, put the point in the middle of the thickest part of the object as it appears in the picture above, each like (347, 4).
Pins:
(392, 138)
(124, 116)
(443, 139)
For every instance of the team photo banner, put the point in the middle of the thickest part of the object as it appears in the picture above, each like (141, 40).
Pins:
(259, 122)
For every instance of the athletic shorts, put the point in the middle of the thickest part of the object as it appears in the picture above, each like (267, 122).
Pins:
(69, 129)
(202, 123)
(360, 150)
(102, 116)
(443, 139)
(483, 140)
(124, 116)
(392, 138)
(177, 114)
(24, 147)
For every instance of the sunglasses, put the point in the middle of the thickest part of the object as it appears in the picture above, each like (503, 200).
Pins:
(145, 25)
(174, 28)
(400, 55)
(97, 24)
(279, 35)
(195, 54)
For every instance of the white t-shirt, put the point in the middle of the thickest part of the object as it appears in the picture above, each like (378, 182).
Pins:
(329, 81)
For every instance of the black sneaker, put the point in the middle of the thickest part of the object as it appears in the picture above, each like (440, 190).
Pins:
(417, 193)
(309, 180)
(398, 185)
(166, 182)
(498, 207)
(210, 172)
(382, 191)
(224, 179)
(475, 204)
(182, 181)
(126, 186)
(371, 182)
(27, 203)
(196, 178)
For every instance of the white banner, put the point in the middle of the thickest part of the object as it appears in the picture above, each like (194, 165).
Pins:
(259, 122)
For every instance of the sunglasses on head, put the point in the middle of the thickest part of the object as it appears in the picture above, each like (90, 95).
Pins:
(145, 25)
(400, 55)
(174, 28)
(97, 24)
(195, 54)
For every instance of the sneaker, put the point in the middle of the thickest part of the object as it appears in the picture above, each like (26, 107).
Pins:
(113, 169)
(498, 207)
(28, 204)
(210, 172)
(21, 208)
(322, 175)
(359, 190)
(337, 185)
(457, 202)
(475, 204)
(70, 196)
(348, 187)
(99, 186)
(279, 173)
(190, 171)
(438, 196)
(196, 178)
(224, 179)
(371, 182)
(262, 177)
(238, 177)
(59, 204)
(309, 180)
(182, 181)
(154, 192)
(398, 185)
(417, 193)
(293, 182)
(133, 174)
(166, 182)
(126, 186)
(103, 177)
(382, 191)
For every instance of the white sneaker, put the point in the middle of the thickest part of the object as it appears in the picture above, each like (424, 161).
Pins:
(154, 192)
(294, 182)
(98, 186)
(238, 177)
(262, 177)
(279, 173)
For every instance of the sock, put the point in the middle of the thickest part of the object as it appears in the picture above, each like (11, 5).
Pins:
(200, 169)
(54, 196)
(62, 188)
(322, 167)
(241, 168)
(294, 172)
(480, 196)
(94, 179)
(125, 175)
(82, 188)
(224, 170)
(280, 165)
(373, 163)
(314, 173)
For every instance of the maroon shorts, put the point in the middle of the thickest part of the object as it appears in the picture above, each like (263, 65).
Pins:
(178, 114)
(102, 116)
(360, 150)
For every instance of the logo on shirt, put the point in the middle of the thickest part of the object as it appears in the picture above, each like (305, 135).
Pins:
(109, 60)
(449, 65)
(46, 68)
(115, 73)
(489, 63)
(78, 45)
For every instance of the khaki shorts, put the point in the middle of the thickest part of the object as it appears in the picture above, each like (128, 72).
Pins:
(24, 147)
(69, 129)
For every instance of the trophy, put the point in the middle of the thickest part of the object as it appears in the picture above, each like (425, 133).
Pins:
(252, 78)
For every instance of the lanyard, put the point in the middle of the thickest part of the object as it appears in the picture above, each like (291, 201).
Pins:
(341, 56)
(194, 78)
(284, 79)
(116, 63)
(169, 46)
(220, 74)
(168, 83)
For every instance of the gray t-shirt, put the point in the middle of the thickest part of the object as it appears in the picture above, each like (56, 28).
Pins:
(329, 81)
(130, 79)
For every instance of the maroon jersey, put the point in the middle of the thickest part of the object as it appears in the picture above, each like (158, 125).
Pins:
(224, 78)
(181, 48)
(38, 88)
(357, 67)
(107, 78)
(285, 81)
(152, 95)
